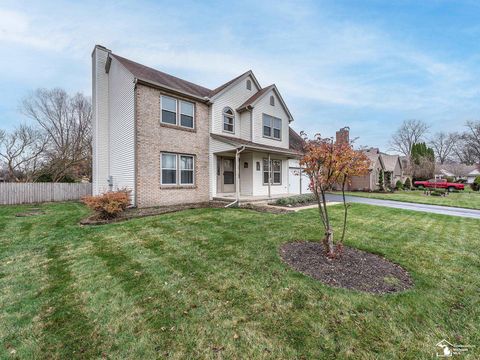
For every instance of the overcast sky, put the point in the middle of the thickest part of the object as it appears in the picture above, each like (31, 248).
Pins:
(365, 64)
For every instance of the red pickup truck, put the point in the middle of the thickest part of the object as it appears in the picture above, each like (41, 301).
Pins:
(439, 184)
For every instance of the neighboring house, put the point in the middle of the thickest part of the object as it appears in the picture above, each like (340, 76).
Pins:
(456, 171)
(393, 165)
(171, 141)
(369, 182)
(473, 174)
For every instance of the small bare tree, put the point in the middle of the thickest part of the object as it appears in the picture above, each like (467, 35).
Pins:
(66, 122)
(410, 132)
(443, 144)
(22, 152)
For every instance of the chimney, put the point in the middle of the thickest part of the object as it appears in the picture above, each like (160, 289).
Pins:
(343, 135)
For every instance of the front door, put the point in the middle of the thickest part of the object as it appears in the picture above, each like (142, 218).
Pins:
(227, 173)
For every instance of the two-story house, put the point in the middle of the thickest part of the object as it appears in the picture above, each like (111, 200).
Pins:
(170, 141)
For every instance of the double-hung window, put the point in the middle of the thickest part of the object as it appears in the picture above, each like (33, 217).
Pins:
(186, 114)
(177, 112)
(276, 172)
(177, 169)
(169, 110)
(169, 169)
(186, 170)
(272, 127)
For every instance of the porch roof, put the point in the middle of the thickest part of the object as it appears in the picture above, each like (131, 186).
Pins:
(237, 142)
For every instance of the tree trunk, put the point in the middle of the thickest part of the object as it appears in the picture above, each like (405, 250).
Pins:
(329, 242)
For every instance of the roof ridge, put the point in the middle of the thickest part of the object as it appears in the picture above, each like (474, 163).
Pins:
(225, 85)
(174, 78)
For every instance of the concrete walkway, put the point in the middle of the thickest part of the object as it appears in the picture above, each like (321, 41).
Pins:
(435, 209)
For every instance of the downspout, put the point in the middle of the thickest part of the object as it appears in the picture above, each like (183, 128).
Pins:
(237, 177)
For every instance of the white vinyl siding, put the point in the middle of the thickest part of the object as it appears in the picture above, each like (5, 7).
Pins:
(121, 128)
(263, 107)
(232, 98)
(100, 134)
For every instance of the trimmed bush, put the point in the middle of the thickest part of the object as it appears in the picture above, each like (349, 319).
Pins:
(109, 204)
(296, 200)
(399, 185)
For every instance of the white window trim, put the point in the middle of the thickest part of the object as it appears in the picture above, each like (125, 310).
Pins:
(178, 113)
(161, 169)
(192, 170)
(270, 171)
(161, 110)
(271, 118)
(178, 175)
(224, 115)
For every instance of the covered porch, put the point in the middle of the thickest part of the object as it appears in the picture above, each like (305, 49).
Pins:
(249, 172)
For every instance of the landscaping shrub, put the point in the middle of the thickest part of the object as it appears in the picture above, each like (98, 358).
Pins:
(450, 179)
(438, 192)
(296, 200)
(399, 185)
(476, 184)
(407, 184)
(109, 204)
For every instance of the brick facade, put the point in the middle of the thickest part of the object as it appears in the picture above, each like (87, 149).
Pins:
(152, 138)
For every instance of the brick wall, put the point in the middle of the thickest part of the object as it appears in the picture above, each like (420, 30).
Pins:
(152, 138)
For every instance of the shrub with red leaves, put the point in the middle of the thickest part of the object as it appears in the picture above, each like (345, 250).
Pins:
(109, 204)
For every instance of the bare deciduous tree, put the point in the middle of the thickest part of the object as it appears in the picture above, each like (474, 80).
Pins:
(66, 121)
(442, 144)
(21, 151)
(472, 137)
(410, 132)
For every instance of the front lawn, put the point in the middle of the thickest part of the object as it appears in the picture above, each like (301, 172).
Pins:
(208, 283)
(464, 199)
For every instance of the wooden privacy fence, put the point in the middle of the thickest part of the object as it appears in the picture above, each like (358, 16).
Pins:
(27, 193)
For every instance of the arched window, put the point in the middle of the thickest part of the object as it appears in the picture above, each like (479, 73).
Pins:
(228, 120)
(249, 85)
(272, 100)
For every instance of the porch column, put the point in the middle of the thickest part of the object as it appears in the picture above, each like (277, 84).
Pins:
(269, 177)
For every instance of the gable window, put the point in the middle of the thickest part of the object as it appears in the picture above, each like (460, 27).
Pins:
(272, 127)
(272, 100)
(177, 112)
(249, 85)
(177, 169)
(228, 120)
(169, 110)
(186, 114)
(276, 172)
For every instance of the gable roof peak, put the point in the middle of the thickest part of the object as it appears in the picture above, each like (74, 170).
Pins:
(226, 85)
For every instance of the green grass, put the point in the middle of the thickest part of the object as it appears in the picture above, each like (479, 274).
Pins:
(209, 283)
(466, 199)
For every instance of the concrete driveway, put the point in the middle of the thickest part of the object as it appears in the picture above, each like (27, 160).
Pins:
(435, 209)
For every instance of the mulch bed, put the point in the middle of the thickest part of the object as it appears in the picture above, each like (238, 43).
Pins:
(133, 213)
(296, 205)
(354, 269)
